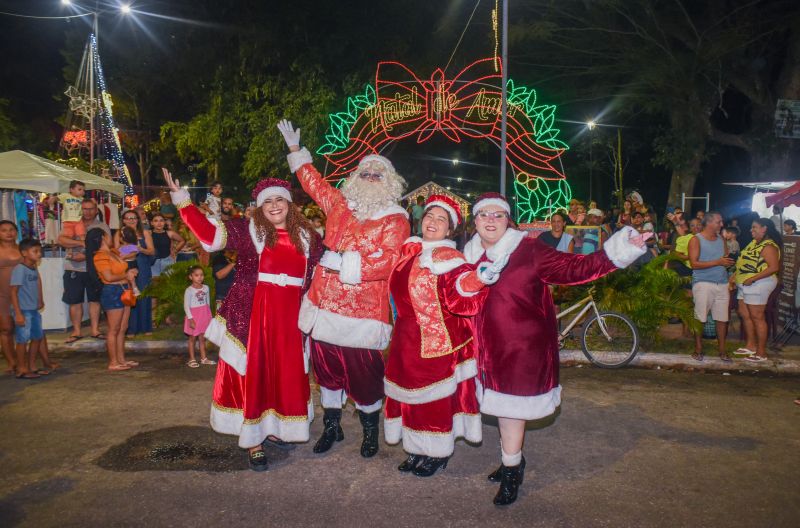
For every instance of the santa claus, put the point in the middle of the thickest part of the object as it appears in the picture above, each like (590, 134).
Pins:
(346, 311)
(261, 391)
(516, 326)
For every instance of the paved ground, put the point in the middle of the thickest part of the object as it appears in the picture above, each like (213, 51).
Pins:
(84, 447)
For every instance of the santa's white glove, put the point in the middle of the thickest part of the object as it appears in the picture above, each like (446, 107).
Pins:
(331, 260)
(290, 135)
(489, 272)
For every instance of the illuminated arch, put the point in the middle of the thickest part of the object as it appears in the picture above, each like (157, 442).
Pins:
(399, 105)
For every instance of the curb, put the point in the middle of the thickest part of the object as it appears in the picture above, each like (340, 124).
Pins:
(656, 360)
(644, 360)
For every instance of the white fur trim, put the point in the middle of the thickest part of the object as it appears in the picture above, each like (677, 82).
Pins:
(273, 191)
(331, 399)
(298, 159)
(510, 460)
(220, 236)
(620, 250)
(491, 201)
(392, 430)
(351, 268)
(380, 159)
(231, 421)
(371, 408)
(180, 196)
(305, 238)
(341, 330)
(436, 391)
(509, 242)
(454, 216)
(259, 244)
(440, 267)
(392, 209)
(460, 291)
(520, 407)
(229, 348)
(434, 444)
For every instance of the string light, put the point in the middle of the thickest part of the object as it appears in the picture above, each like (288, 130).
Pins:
(109, 133)
(400, 105)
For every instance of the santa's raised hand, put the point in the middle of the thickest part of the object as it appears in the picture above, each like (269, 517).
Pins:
(625, 246)
(172, 183)
(290, 134)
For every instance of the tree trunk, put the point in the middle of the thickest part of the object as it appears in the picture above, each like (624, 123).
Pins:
(683, 180)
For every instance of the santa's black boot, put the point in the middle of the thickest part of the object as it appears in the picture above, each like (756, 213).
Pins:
(369, 446)
(331, 432)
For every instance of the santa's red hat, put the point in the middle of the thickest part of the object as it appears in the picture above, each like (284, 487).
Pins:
(271, 187)
(491, 198)
(446, 203)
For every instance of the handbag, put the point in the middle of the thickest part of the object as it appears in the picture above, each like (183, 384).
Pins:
(128, 298)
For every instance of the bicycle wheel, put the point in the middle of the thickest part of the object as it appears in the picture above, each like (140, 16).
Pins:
(616, 350)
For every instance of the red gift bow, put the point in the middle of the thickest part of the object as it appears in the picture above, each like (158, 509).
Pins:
(468, 106)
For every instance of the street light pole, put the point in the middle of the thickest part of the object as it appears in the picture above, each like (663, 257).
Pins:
(503, 101)
(591, 163)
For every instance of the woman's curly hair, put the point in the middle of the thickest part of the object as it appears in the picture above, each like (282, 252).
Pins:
(295, 224)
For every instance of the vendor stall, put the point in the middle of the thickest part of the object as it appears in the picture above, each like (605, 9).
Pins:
(21, 171)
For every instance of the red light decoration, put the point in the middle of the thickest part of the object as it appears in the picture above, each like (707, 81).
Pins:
(75, 139)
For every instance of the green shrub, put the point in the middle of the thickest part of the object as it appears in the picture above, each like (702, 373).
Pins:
(650, 295)
(168, 290)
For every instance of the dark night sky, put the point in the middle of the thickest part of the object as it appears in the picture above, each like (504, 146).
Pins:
(33, 81)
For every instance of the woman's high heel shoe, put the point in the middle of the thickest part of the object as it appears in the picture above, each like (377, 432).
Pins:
(430, 466)
(411, 463)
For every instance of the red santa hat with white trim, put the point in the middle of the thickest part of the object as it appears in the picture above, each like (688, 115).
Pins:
(271, 187)
(491, 198)
(446, 203)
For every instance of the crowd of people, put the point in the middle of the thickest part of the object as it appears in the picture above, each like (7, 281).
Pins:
(421, 330)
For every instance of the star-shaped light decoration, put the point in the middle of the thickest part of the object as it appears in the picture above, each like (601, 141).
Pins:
(80, 103)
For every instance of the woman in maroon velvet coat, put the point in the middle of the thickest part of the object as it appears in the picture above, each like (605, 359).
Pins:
(516, 327)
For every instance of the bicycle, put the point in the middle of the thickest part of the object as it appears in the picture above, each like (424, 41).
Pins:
(609, 339)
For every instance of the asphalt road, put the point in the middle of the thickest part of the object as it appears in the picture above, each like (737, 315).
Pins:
(84, 447)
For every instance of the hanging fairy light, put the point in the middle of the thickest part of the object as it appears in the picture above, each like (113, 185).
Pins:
(108, 129)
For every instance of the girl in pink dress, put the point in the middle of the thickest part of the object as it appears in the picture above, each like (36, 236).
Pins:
(197, 306)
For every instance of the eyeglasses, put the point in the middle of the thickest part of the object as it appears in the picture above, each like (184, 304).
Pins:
(371, 176)
(134, 218)
(495, 215)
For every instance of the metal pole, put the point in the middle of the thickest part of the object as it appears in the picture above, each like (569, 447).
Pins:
(708, 201)
(503, 101)
(591, 161)
(683, 202)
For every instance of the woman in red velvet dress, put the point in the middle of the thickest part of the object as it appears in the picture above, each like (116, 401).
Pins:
(516, 327)
(261, 392)
(430, 375)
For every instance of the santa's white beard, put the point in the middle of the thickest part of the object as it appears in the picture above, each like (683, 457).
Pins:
(366, 198)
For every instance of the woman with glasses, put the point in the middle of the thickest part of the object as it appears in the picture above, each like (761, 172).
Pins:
(141, 318)
(516, 327)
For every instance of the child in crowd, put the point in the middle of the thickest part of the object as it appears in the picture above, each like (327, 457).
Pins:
(130, 245)
(213, 204)
(71, 224)
(129, 250)
(196, 305)
(730, 233)
(26, 301)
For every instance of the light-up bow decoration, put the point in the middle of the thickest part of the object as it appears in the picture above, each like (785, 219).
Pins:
(401, 106)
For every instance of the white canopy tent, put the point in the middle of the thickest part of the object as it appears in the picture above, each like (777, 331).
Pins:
(27, 172)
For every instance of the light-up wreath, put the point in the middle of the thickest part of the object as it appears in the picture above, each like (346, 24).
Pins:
(401, 106)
